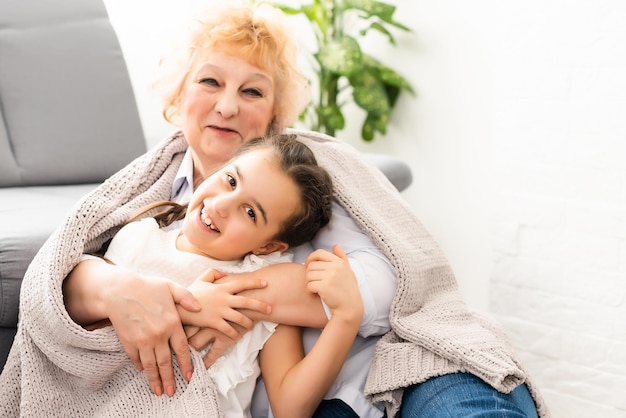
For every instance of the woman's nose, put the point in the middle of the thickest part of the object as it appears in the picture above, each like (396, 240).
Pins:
(227, 104)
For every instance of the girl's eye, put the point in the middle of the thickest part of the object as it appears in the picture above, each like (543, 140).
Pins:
(209, 81)
(253, 92)
(251, 213)
(231, 180)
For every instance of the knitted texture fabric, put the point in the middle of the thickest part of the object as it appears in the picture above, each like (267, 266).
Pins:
(57, 368)
(433, 332)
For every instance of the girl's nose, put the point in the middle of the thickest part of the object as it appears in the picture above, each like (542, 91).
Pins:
(221, 205)
(227, 104)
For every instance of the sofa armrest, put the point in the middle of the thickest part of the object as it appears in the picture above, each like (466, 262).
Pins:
(397, 171)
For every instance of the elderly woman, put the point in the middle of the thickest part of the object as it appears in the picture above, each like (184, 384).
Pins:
(237, 80)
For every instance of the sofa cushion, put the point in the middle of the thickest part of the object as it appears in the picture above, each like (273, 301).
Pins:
(31, 214)
(68, 113)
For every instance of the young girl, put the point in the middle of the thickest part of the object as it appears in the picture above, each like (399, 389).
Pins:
(271, 196)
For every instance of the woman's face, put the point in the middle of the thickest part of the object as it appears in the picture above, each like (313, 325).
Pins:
(240, 208)
(224, 102)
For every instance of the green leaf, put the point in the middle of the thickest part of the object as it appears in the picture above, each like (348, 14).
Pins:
(367, 131)
(333, 117)
(387, 75)
(383, 11)
(369, 92)
(341, 56)
(379, 28)
(316, 14)
(393, 93)
(288, 10)
(380, 122)
(373, 124)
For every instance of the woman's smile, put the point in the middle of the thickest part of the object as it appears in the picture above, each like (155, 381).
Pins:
(223, 130)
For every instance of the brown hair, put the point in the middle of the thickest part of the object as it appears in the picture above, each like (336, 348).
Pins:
(257, 34)
(298, 162)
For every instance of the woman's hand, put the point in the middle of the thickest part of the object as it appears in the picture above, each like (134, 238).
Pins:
(142, 311)
(145, 316)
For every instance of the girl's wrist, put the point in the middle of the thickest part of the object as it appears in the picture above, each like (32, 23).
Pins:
(349, 318)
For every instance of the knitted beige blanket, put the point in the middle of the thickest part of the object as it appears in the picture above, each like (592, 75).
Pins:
(56, 368)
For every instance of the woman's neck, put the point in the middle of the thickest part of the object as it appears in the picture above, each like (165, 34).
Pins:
(197, 179)
(201, 172)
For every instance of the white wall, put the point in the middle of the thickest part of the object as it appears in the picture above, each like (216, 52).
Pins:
(516, 139)
(559, 144)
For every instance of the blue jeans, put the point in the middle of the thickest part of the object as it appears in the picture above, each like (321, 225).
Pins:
(334, 408)
(464, 395)
(457, 395)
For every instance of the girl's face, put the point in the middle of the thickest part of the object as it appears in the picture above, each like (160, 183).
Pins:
(240, 209)
(224, 102)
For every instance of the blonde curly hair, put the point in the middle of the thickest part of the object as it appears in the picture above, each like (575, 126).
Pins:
(258, 34)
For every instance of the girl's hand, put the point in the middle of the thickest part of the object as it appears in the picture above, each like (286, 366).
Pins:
(144, 314)
(221, 304)
(285, 368)
(329, 275)
(220, 321)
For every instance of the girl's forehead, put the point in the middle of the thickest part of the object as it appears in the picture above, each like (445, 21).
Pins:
(261, 152)
(256, 158)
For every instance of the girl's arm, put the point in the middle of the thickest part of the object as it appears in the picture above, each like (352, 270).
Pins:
(295, 383)
(291, 302)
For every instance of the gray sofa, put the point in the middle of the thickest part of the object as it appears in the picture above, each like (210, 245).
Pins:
(68, 120)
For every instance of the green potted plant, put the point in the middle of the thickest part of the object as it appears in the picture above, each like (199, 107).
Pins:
(342, 67)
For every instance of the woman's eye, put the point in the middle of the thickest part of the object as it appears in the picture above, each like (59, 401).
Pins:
(231, 180)
(251, 213)
(209, 81)
(253, 92)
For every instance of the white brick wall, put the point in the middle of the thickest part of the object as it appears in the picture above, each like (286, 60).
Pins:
(559, 279)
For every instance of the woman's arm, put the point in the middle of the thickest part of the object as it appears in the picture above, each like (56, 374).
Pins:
(142, 311)
(147, 313)
(295, 383)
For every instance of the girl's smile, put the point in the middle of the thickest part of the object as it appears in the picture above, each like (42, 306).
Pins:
(241, 208)
(208, 221)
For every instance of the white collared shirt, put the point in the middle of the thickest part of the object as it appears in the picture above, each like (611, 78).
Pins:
(182, 187)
